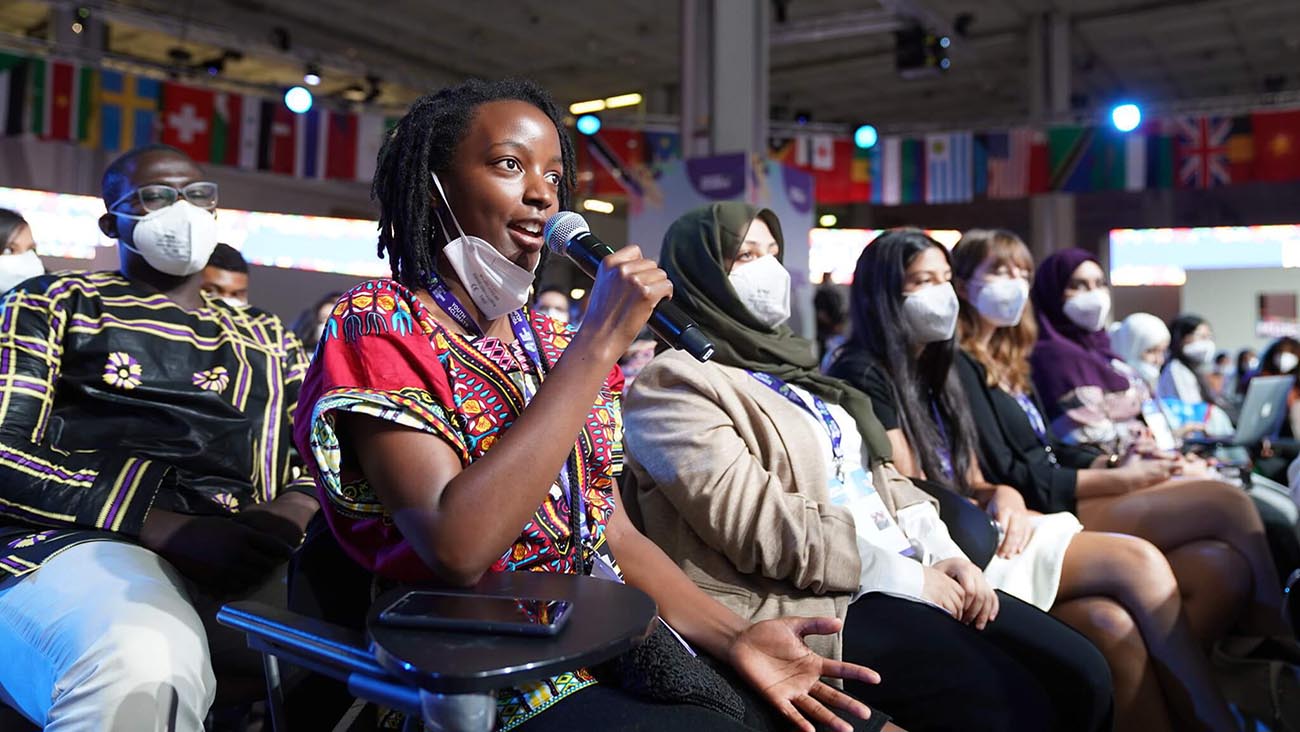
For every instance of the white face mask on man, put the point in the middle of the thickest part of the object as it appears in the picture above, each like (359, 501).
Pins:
(1089, 310)
(497, 285)
(931, 313)
(176, 240)
(1002, 301)
(763, 285)
(18, 268)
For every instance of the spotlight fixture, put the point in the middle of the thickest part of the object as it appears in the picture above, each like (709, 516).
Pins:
(298, 99)
(598, 206)
(312, 75)
(599, 105)
(588, 124)
(826, 221)
(865, 137)
(354, 93)
(1126, 117)
(577, 293)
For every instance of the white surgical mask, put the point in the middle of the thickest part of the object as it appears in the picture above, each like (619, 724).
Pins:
(17, 268)
(1089, 310)
(235, 302)
(1286, 362)
(931, 313)
(495, 284)
(1199, 352)
(1149, 372)
(1252, 365)
(763, 285)
(1002, 301)
(177, 240)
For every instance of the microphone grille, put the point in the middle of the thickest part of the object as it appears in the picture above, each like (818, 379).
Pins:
(561, 228)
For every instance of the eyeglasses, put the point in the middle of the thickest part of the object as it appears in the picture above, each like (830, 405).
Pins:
(157, 196)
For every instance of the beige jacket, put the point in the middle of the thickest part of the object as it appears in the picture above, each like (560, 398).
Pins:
(730, 480)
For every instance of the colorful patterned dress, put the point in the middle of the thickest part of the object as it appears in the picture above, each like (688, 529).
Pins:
(384, 355)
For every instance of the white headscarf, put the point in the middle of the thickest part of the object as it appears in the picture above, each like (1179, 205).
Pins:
(1138, 333)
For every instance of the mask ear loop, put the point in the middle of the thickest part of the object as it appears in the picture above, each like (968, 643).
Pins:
(437, 211)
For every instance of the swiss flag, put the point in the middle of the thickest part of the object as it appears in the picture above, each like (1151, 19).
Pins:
(187, 117)
(1277, 145)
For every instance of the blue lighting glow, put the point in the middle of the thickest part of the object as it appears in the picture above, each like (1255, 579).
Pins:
(1126, 117)
(588, 124)
(298, 99)
(865, 137)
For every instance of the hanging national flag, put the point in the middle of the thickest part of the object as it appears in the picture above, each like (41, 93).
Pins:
(1008, 167)
(278, 139)
(341, 146)
(912, 171)
(949, 162)
(128, 110)
(1277, 145)
(848, 180)
(251, 131)
(13, 93)
(227, 111)
(897, 173)
(823, 152)
(59, 109)
(187, 115)
(1202, 151)
(980, 165)
(308, 145)
(662, 147)
(1069, 152)
(617, 154)
(803, 154)
(372, 130)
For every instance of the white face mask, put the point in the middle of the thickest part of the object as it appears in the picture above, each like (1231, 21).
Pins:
(17, 268)
(1199, 352)
(1002, 301)
(495, 284)
(235, 302)
(763, 285)
(931, 313)
(1286, 362)
(1252, 365)
(1149, 372)
(177, 240)
(1089, 310)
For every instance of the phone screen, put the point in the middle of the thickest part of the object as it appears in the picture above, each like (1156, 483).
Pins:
(477, 609)
(1159, 426)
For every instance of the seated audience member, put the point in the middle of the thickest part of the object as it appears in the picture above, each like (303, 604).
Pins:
(771, 485)
(1246, 364)
(145, 465)
(1209, 532)
(1090, 401)
(18, 260)
(309, 326)
(1117, 590)
(1219, 374)
(553, 302)
(1141, 340)
(1185, 382)
(226, 276)
(1282, 358)
(440, 415)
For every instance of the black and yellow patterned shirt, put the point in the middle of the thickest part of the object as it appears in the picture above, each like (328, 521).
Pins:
(114, 399)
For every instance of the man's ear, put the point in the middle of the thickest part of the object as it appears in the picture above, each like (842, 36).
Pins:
(108, 225)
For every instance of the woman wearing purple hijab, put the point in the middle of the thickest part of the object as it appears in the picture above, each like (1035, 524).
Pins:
(1092, 397)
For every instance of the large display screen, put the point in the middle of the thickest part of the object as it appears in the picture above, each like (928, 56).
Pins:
(66, 225)
(1163, 256)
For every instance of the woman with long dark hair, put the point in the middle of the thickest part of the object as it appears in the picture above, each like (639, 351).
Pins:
(902, 354)
(456, 433)
(1018, 448)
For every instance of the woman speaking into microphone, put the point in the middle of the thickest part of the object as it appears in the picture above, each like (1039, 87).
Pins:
(454, 432)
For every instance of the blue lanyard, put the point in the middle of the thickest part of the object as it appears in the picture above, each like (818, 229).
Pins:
(818, 409)
(524, 334)
(1035, 417)
(944, 449)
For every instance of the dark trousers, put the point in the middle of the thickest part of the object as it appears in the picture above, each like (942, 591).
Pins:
(1025, 671)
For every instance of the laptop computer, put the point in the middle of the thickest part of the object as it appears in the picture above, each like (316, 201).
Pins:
(1262, 413)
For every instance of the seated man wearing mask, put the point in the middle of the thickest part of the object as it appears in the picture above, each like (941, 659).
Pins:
(145, 465)
(226, 276)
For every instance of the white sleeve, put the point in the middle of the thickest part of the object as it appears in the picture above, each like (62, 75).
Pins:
(890, 573)
(921, 522)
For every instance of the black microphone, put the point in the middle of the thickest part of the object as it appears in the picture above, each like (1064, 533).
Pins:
(567, 233)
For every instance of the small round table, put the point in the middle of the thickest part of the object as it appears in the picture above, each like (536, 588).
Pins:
(458, 673)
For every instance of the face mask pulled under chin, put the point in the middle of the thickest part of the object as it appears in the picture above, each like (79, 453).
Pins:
(18, 268)
(931, 313)
(1089, 310)
(497, 285)
(763, 286)
(177, 240)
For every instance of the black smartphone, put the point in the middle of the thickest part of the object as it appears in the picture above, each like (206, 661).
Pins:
(477, 613)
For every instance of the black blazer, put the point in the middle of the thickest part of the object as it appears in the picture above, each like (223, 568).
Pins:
(1010, 451)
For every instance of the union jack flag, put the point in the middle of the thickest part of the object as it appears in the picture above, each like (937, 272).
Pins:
(1202, 145)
